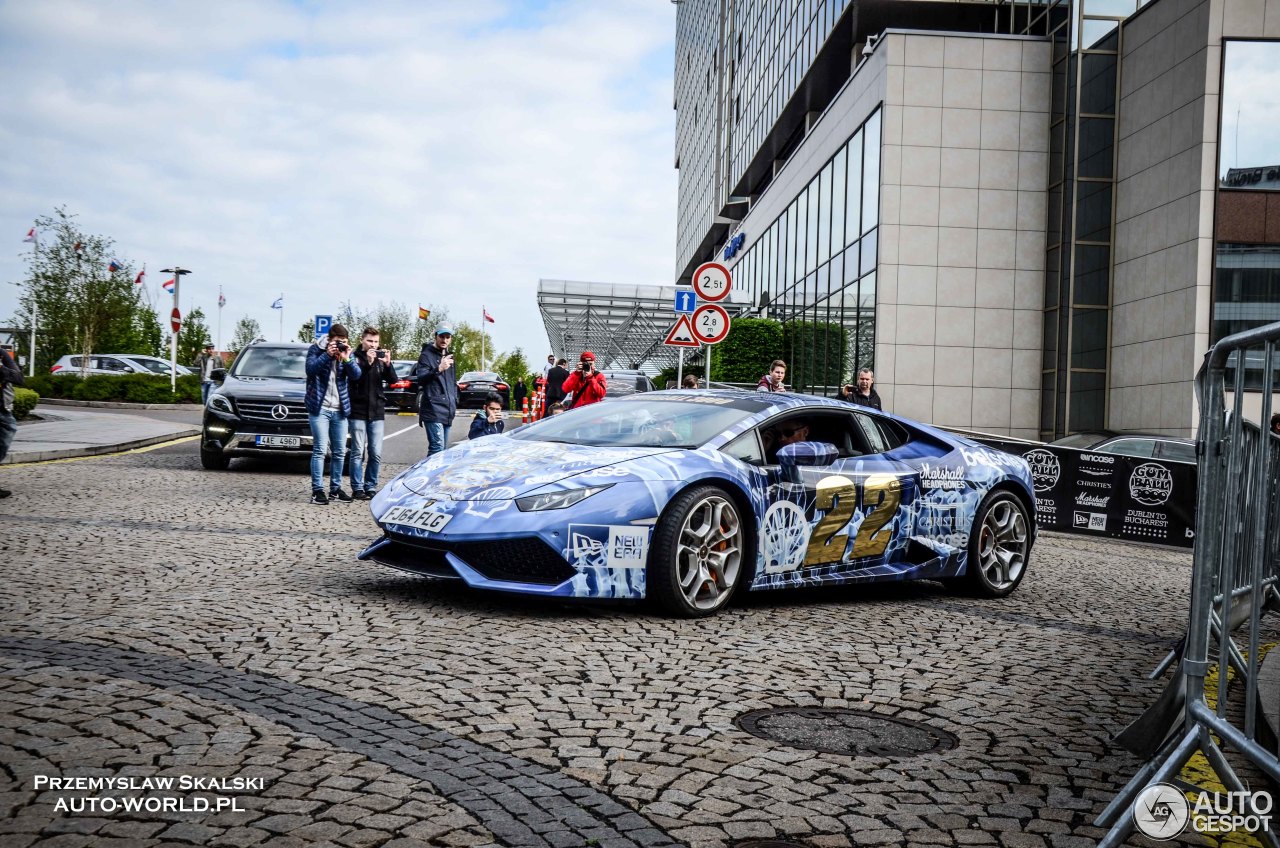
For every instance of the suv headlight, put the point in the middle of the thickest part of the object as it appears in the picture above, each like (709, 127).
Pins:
(220, 403)
(557, 500)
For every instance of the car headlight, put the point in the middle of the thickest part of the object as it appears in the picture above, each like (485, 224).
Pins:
(221, 404)
(557, 500)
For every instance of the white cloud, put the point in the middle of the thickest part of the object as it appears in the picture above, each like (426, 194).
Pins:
(423, 152)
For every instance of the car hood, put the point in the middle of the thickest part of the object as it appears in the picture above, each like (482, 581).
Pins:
(496, 467)
(271, 388)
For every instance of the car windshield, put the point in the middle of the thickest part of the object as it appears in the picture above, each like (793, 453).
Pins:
(1079, 440)
(289, 362)
(676, 424)
(155, 366)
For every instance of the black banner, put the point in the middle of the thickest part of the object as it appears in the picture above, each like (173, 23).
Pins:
(1103, 494)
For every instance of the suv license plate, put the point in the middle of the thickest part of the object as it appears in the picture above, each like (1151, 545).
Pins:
(279, 441)
(423, 519)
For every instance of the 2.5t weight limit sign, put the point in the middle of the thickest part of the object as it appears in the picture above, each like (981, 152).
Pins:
(711, 281)
(710, 323)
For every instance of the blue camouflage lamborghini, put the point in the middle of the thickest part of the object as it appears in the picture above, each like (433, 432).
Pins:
(687, 497)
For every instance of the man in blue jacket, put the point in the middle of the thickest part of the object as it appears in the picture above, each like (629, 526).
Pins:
(488, 421)
(438, 384)
(329, 368)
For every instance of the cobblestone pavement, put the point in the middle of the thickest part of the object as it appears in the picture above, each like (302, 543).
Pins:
(161, 621)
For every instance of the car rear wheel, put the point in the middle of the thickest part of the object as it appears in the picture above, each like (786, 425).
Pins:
(999, 546)
(213, 460)
(697, 553)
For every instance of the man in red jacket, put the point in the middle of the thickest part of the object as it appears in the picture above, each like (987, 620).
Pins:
(586, 383)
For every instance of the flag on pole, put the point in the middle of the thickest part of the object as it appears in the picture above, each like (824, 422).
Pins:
(137, 281)
(113, 266)
(487, 316)
(222, 301)
(168, 284)
(31, 236)
(423, 314)
(279, 304)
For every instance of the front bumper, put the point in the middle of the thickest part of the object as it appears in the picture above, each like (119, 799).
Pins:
(233, 436)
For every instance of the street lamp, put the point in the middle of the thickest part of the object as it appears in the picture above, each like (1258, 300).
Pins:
(177, 271)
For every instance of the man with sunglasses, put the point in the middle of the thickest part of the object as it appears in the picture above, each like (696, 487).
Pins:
(786, 433)
(438, 382)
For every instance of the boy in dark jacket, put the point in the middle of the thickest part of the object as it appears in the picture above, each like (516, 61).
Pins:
(10, 376)
(368, 409)
(488, 421)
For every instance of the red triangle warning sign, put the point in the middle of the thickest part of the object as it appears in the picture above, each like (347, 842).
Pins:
(681, 334)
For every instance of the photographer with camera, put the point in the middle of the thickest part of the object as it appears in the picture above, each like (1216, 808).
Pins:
(587, 384)
(438, 389)
(864, 393)
(330, 368)
(488, 421)
(368, 409)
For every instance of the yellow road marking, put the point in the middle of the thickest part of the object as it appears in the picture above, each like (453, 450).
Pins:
(157, 446)
(1199, 772)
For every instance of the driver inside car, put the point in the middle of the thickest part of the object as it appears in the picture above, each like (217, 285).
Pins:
(786, 433)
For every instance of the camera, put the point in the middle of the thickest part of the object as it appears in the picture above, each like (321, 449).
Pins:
(381, 353)
(343, 347)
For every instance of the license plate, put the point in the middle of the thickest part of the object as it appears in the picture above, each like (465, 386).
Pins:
(423, 519)
(279, 441)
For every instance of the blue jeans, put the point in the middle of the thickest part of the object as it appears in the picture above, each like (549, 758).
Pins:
(366, 434)
(8, 429)
(437, 436)
(328, 428)
(206, 389)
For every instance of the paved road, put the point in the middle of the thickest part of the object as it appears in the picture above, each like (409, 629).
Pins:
(160, 620)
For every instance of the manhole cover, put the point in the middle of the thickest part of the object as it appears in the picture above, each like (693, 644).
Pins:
(841, 731)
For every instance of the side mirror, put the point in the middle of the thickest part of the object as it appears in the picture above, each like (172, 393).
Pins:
(807, 454)
(218, 374)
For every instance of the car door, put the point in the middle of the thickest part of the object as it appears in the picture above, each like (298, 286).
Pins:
(853, 507)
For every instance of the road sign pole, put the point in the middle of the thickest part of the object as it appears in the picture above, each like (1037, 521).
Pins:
(680, 370)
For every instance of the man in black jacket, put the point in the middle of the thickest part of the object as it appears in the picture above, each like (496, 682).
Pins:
(438, 388)
(863, 394)
(368, 409)
(555, 381)
(10, 376)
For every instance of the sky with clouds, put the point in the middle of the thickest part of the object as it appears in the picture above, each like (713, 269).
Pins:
(424, 152)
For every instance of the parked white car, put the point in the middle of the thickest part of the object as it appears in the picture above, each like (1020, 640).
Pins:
(116, 363)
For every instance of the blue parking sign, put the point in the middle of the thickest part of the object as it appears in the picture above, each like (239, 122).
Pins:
(323, 323)
(686, 301)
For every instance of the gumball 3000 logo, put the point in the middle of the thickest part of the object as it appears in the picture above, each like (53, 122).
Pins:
(1044, 469)
(1150, 484)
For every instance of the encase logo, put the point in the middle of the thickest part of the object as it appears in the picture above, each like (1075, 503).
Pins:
(1150, 484)
(1045, 469)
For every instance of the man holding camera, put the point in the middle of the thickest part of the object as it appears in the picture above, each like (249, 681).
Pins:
(863, 394)
(488, 421)
(368, 409)
(438, 389)
(330, 367)
(587, 384)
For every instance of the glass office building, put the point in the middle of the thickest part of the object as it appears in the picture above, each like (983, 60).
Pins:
(1005, 208)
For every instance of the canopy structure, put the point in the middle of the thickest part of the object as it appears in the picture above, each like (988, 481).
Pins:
(624, 325)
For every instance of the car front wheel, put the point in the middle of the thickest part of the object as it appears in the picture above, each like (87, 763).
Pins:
(697, 553)
(999, 546)
(213, 460)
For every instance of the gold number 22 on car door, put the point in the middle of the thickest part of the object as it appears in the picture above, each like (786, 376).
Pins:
(838, 496)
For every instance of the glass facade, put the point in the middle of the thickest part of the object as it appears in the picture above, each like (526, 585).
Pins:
(1082, 145)
(814, 266)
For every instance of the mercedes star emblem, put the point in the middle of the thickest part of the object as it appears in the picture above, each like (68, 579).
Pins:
(279, 412)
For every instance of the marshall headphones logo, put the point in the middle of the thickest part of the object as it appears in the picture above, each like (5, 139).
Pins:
(1150, 484)
(1045, 469)
(1092, 500)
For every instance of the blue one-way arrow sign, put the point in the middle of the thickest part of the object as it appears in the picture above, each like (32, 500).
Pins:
(686, 301)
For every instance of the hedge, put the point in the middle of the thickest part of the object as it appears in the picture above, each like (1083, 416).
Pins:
(746, 352)
(24, 400)
(127, 388)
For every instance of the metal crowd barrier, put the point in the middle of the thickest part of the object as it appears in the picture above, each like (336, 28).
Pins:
(1235, 568)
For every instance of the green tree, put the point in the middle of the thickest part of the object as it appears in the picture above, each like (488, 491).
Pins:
(82, 306)
(746, 352)
(466, 344)
(191, 340)
(307, 332)
(512, 365)
(424, 331)
(246, 332)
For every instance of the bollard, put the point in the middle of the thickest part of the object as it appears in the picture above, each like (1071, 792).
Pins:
(524, 410)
